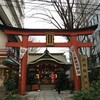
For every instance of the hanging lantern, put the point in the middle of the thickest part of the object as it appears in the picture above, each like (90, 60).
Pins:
(52, 77)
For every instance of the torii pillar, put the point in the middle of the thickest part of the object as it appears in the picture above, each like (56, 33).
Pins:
(62, 32)
(23, 66)
(77, 81)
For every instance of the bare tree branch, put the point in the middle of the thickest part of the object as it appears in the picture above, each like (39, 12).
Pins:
(69, 14)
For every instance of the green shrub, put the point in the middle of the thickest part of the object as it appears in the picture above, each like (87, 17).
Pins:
(92, 94)
(11, 84)
(12, 97)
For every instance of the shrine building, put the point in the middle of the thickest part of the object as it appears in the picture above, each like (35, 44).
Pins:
(46, 66)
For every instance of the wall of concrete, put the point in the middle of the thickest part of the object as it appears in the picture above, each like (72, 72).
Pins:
(3, 39)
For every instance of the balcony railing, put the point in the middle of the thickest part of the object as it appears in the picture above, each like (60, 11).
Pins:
(8, 55)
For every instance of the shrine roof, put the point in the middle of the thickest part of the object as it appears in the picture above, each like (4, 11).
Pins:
(58, 58)
(10, 60)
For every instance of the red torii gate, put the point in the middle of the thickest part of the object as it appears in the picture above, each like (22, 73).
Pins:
(25, 33)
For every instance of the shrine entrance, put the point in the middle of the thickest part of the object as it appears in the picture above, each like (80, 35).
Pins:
(47, 66)
(49, 33)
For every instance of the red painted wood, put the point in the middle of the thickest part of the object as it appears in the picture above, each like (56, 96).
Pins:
(43, 32)
(77, 81)
(4, 54)
(65, 44)
(24, 67)
(14, 44)
(31, 44)
(35, 87)
(82, 44)
(28, 32)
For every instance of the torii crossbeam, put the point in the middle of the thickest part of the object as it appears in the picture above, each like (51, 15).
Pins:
(25, 33)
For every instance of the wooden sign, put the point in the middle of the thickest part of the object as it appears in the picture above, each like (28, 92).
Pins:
(49, 39)
(84, 72)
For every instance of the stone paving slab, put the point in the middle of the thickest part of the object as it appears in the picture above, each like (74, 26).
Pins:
(2, 92)
(32, 95)
(66, 95)
(49, 95)
(46, 95)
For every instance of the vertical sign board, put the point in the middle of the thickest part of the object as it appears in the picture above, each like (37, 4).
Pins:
(49, 39)
(76, 61)
(84, 72)
(22, 53)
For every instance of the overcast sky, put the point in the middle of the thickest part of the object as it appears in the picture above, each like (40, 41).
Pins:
(34, 23)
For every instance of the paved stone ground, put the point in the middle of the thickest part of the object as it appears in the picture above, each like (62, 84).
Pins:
(49, 95)
(43, 95)
(2, 92)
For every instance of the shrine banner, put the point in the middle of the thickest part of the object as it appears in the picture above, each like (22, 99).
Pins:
(75, 61)
(22, 52)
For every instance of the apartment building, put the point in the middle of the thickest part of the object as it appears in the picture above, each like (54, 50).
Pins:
(11, 14)
(93, 54)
